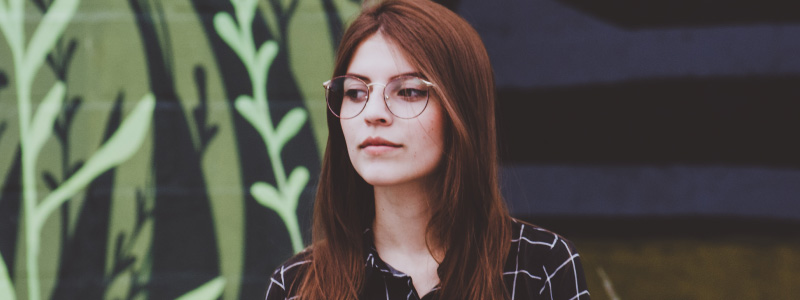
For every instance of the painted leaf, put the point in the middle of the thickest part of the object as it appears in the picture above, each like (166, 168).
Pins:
(287, 4)
(290, 125)
(208, 291)
(119, 148)
(271, 17)
(119, 287)
(266, 55)
(227, 30)
(140, 243)
(3, 12)
(245, 11)
(47, 33)
(267, 195)
(294, 186)
(45, 116)
(50, 180)
(250, 111)
(6, 288)
(12, 27)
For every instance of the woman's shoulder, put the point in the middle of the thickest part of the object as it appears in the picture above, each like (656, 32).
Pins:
(287, 275)
(536, 235)
(543, 263)
(540, 245)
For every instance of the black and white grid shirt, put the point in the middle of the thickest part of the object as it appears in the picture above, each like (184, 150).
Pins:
(540, 265)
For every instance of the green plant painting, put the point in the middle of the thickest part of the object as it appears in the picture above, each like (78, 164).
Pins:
(255, 108)
(37, 126)
(57, 161)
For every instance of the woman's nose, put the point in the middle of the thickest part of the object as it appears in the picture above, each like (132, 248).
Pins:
(376, 111)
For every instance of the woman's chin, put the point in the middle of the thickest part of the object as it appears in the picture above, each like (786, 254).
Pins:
(394, 174)
(382, 180)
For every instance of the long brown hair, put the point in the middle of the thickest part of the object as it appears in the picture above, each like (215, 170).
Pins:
(469, 217)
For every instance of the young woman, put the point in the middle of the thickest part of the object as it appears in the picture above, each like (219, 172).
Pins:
(408, 204)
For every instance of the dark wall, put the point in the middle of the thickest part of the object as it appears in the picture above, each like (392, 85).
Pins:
(660, 136)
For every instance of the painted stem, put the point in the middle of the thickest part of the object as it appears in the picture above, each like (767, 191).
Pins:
(28, 178)
(274, 153)
(290, 218)
(258, 70)
(36, 128)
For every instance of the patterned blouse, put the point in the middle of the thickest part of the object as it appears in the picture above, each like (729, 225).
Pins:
(540, 265)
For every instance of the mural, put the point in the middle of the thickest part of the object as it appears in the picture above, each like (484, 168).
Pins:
(255, 109)
(158, 149)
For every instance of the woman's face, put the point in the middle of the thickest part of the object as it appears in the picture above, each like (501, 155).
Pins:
(384, 149)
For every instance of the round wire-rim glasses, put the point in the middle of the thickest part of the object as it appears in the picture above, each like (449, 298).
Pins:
(406, 96)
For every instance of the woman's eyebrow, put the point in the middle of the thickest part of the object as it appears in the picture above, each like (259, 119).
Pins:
(362, 77)
(366, 79)
(414, 74)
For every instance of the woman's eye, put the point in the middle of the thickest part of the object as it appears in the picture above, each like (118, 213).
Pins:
(355, 95)
(411, 94)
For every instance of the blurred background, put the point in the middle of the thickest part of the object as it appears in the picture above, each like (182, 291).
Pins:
(170, 149)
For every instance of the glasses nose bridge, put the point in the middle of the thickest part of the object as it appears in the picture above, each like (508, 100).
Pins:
(371, 89)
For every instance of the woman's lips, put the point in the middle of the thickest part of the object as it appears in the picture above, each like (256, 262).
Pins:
(378, 145)
(377, 141)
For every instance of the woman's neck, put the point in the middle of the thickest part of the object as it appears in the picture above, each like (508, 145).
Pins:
(400, 230)
(401, 218)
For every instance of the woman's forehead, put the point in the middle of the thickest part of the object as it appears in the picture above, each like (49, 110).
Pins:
(378, 59)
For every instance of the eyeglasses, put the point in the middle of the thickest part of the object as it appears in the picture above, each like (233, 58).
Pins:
(405, 97)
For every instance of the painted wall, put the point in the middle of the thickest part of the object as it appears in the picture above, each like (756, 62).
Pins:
(660, 136)
(158, 149)
(155, 149)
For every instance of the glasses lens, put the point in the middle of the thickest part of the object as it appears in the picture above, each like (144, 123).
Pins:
(407, 97)
(346, 96)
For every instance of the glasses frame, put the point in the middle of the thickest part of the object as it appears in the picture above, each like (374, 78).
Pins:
(327, 84)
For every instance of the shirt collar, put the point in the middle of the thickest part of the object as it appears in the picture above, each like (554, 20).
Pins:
(373, 262)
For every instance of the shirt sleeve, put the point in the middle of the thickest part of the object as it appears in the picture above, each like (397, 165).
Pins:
(276, 289)
(281, 283)
(564, 271)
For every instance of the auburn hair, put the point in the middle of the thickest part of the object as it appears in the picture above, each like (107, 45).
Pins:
(469, 217)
